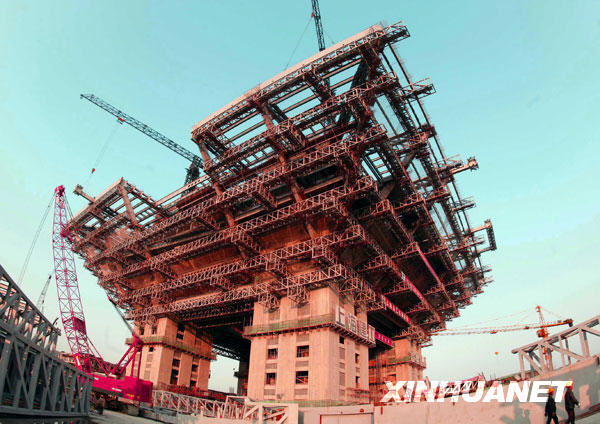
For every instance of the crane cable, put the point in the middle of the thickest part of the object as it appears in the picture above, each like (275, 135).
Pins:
(560, 317)
(298, 43)
(471, 326)
(329, 36)
(103, 150)
(33, 243)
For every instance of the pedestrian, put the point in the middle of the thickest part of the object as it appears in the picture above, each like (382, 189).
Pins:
(93, 400)
(100, 405)
(550, 411)
(570, 402)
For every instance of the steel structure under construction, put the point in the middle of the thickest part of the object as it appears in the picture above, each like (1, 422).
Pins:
(34, 381)
(323, 242)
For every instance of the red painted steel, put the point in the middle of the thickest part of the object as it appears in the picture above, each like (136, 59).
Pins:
(85, 354)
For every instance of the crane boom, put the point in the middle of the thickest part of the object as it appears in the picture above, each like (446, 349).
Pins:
(42, 298)
(85, 354)
(494, 330)
(316, 13)
(196, 161)
(69, 299)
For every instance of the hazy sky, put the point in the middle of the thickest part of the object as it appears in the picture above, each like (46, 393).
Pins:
(517, 86)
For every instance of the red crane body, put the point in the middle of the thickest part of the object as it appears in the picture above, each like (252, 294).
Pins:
(85, 354)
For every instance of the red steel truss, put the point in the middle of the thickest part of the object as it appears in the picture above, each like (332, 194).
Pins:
(338, 149)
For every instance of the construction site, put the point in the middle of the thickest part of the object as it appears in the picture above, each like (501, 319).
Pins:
(318, 235)
(320, 239)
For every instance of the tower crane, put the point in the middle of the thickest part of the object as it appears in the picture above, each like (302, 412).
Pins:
(541, 326)
(86, 356)
(193, 171)
(42, 298)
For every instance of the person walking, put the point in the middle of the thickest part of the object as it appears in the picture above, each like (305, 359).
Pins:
(570, 402)
(101, 405)
(550, 411)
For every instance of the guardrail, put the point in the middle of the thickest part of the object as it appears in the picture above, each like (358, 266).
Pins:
(234, 408)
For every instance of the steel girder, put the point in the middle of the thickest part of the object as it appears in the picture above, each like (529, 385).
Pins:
(539, 354)
(33, 380)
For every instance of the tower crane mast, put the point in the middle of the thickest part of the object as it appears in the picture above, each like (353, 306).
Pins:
(193, 171)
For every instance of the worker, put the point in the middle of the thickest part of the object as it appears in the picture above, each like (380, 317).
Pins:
(570, 402)
(550, 411)
(93, 400)
(100, 405)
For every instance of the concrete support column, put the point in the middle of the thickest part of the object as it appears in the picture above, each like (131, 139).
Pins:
(310, 360)
(242, 378)
(174, 354)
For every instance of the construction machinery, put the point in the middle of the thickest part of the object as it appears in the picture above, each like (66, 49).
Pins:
(42, 298)
(193, 171)
(107, 379)
(541, 327)
(316, 15)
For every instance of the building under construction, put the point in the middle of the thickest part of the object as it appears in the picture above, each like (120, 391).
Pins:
(322, 243)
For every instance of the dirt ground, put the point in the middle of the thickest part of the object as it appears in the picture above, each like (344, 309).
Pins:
(112, 417)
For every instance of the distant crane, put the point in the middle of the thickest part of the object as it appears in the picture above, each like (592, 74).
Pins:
(316, 14)
(193, 171)
(541, 326)
(42, 298)
(33, 242)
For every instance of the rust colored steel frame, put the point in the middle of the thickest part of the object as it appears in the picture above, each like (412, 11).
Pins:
(220, 275)
(259, 151)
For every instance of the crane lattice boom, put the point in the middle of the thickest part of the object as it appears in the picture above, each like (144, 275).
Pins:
(316, 13)
(42, 298)
(69, 299)
(494, 330)
(85, 354)
(196, 161)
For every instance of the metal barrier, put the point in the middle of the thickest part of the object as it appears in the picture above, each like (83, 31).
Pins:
(33, 380)
(539, 354)
(235, 407)
(184, 404)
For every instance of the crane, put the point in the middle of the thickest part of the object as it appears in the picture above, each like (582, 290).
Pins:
(85, 354)
(316, 14)
(42, 298)
(193, 171)
(541, 326)
(502, 329)
(33, 243)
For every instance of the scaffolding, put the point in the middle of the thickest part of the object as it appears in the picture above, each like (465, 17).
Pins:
(337, 153)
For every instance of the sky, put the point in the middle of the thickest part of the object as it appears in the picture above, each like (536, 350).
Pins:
(517, 87)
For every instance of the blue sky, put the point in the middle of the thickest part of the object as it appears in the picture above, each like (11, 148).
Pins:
(517, 87)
